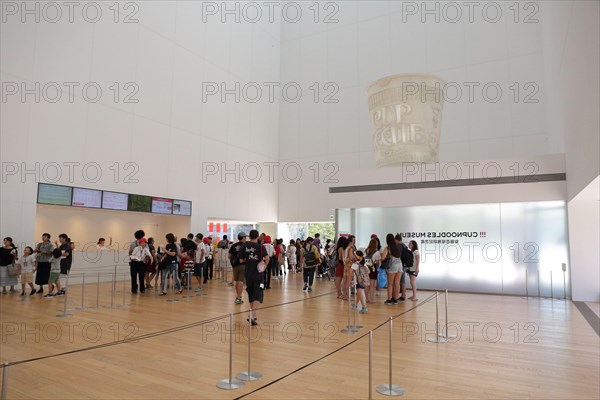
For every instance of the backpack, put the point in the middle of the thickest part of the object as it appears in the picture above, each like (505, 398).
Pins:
(310, 259)
(362, 278)
(332, 262)
(407, 257)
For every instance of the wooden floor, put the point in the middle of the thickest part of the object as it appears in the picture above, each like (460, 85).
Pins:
(508, 347)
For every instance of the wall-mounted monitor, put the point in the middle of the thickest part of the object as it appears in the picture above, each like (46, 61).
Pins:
(55, 195)
(182, 207)
(138, 202)
(87, 198)
(162, 206)
(114, 201)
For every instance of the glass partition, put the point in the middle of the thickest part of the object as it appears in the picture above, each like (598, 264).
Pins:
(509, 248)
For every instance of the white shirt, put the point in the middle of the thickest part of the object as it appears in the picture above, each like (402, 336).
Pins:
(200, 253)
(270, 249)
(27, 264)
(140, 253)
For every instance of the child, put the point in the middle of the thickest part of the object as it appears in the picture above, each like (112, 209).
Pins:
(54, 274)
(27, 270)
(361, 278)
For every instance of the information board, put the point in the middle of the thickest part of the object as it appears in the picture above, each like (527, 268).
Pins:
(162, 206)
(114, 201)
(87, 198)
(182, 207)
(54, 195)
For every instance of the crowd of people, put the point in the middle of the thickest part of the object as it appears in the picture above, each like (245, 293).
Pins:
(255, 259)
(49, 262)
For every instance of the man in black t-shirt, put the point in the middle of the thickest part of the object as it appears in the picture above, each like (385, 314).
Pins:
(239, 270)
(250, 255)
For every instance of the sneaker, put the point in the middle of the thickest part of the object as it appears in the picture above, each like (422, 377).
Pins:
(394, 302)
(238, 300)
(253, 322)
(401, 298)
(40, 291)
(198, 290)
(60, 293)
(309, 289)
(33, 291)
(23, 293)
(388, 302)
(305, 288)
(49, 296)
(363, 310)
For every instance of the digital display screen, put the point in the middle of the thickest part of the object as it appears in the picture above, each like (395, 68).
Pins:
(114, 201)
(138, 202)
(162, 206)
(86, 198)
(182, 207)
(54, 195)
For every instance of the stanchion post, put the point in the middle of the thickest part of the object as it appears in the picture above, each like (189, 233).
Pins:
(538, 283)
(114, 288)
(390, 389)
(564, 271)
(230, 383)
(98, 291)
(125, 287)
(349, 328)
(437, 338)
(64, 313)
(82, 289)
(173, 299)
(370, 365)
(551, 286)
(4, 381)
(189, 284)
(248, 375)
(356, 327)
(446, 335)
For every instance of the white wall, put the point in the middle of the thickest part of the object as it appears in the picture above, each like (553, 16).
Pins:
(85, 226)
(167, 134)
(584, 236)
(306, 200)
(374, 39)
(572, 61)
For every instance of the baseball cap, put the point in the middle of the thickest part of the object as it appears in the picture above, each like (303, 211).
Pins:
(242, 235)
(142, 240)
(373, 236)
(267, 239)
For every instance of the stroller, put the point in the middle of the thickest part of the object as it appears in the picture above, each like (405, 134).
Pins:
(327, 268)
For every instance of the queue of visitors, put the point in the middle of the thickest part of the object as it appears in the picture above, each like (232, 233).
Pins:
(256, 259)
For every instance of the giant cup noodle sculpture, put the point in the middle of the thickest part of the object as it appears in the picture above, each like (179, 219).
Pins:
(406, 113)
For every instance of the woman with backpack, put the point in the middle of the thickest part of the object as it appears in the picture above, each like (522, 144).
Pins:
(312, 259)
(393, 251)
(339, 268)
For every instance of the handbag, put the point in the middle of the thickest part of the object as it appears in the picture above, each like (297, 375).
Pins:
(262, 266)
(385, 264)
(12, 269)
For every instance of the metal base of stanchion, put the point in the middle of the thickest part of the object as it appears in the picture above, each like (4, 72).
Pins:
(390, 390)
(349, 329)
(437, 339)
(172, 300)
(230, 384)
(441, 335)
(357, 327)
(64, 315)
(249, 376)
